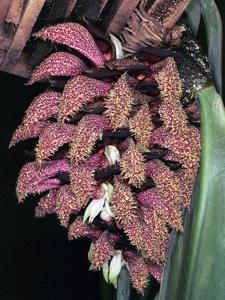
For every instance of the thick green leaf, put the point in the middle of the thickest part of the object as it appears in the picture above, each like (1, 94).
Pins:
(196, 268)
(194, 12)
(123, 289)
(213, 25)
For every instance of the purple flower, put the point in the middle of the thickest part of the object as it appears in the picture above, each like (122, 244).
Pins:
(79, 91)
(58, 64)
(76, 37)
(52, 138)
(36, 179)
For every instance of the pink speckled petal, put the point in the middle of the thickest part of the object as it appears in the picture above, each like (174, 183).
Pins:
(46, 205)
(58, 64)
(23, 133)
(53, 137)
(42, 107)
(66, 204)
(138, 269)
(102, 250)
(80, 229)
(35, 179)
(82, 179)
(75, 36)
(87, 133)
(79, 91)
(155, 271)
(154, 199)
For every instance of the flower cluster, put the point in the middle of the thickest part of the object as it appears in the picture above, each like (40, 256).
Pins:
(116, 156)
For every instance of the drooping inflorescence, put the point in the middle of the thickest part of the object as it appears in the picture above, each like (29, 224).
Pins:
(116, 157)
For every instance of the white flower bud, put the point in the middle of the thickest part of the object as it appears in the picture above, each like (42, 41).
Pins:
(105, 271)
(115, 266)
(105, 216)
(93, 209)
(112, 154)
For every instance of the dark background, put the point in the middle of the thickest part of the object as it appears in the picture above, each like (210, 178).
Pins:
(36, 259)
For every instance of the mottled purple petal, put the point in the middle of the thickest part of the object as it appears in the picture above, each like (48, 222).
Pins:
(46, 205)
(35, 179)
(66, 204)
(155, 271)
(87, 133)
(141, 125)
(53, 137)
(154, 199)
(82, 179)
(132, 165)
(42, 107)
(79, 91)
(166, 181)
(75, 36)
(119, 102)
(23, 132)
(102, 251)
(170, 85)
(123, 203)
(138, 270)
(58, 64)
(80, 229)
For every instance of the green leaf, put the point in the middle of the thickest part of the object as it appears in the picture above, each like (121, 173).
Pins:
(196, 268)
(123, 285)
(213, 24)
(194, 12)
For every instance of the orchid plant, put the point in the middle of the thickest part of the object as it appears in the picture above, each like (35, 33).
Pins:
(119, 144)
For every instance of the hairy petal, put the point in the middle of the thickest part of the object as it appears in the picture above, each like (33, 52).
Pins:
(155, 270)
(193, 160)
(138, 270)
(46, 205)
(36, 117)
(79, 229)
(79, 91)
(187, 184)
(35, 179)
(143, 239)
(58, 64)
(87, 133)
(132, 166)
(75, 36)
(42, 108)
(185, 149)
(158, 237)
(158, 136)
(166, 181)
(53, 137)
(134, 231)
(102, 250)
(23, 133)
(66, 204)
(119, 102)
(141, 125)
(170, 213)
(170, 85)
(173, 116)
(82, 179)
(123, 204)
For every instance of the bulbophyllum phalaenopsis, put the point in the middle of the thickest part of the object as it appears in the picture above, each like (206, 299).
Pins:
(117, 152)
